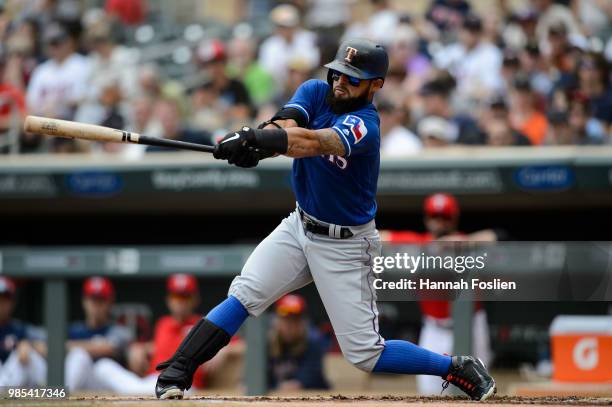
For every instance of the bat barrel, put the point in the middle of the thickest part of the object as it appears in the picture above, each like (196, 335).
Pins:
(84, 131)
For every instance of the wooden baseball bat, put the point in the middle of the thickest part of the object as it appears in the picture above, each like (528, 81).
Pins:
(84, 131)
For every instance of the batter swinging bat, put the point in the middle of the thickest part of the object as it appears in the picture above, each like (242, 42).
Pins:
(68, 129)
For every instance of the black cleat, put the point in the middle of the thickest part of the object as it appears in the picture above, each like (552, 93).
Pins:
(168, 391)
(470, 375)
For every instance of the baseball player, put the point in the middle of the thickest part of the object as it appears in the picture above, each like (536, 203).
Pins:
(20, 344)
(295, 349)
(182, 300)
(331, 129)
(441, 217)
(95, 337)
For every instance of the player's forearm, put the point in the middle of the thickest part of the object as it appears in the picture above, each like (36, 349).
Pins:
(284, 124)
(295, 142)
(308, 143)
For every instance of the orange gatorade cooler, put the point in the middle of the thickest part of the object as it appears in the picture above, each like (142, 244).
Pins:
(582, 348)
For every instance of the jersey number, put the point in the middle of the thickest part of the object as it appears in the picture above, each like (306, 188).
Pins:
(339, 161)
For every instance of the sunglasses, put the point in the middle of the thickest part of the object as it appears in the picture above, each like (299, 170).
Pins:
(351, 79)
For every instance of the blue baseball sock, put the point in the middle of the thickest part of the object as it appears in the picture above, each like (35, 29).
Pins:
(408, 358)
(228, 315)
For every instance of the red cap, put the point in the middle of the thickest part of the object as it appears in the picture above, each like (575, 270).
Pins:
(7, 286)
(183, 284)
(98, 287)
(211, 50)
(441, 205)
(290, 304)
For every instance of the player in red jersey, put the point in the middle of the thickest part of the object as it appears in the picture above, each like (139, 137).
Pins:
(441, 218)
(170, 330)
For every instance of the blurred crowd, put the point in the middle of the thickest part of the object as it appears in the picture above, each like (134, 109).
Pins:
(534, 72)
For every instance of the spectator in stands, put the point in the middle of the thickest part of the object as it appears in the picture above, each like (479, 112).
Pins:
(441, 218)
(231, 98)
(242, 64)
(150, 81)
(21, 362)
(436, 131)
(298, 72)
(295, 350)
(499, 134)
(586, 128)
(559, 55)
(571, 128)
(45, 12)
(404, 53)
(109, 59)
(110, 98)
(169, 113)
(12, 99)
(59, 84)
(380, 25)
(140, 120)
(553, 14)
(395, 138)
(511, 68)
(23, 53)
(288, 42)
(448, 15)
(182, 299)
(560, 132)
(328, 18)
(395, 87)
(436, 96)
(594, 84)
(534, 66)
(108, 111)
(524, 116)
(594, 16)
(474, 61)
(205, 112)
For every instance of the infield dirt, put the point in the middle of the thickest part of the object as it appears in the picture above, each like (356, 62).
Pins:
(328, 401)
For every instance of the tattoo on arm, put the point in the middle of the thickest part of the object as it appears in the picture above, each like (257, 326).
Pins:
(330, 142)
(309, 143)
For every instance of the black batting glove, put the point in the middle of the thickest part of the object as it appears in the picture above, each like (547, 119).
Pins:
(247, 159)
(234, 144)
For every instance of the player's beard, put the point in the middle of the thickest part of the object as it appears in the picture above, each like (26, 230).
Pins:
(346, 105)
